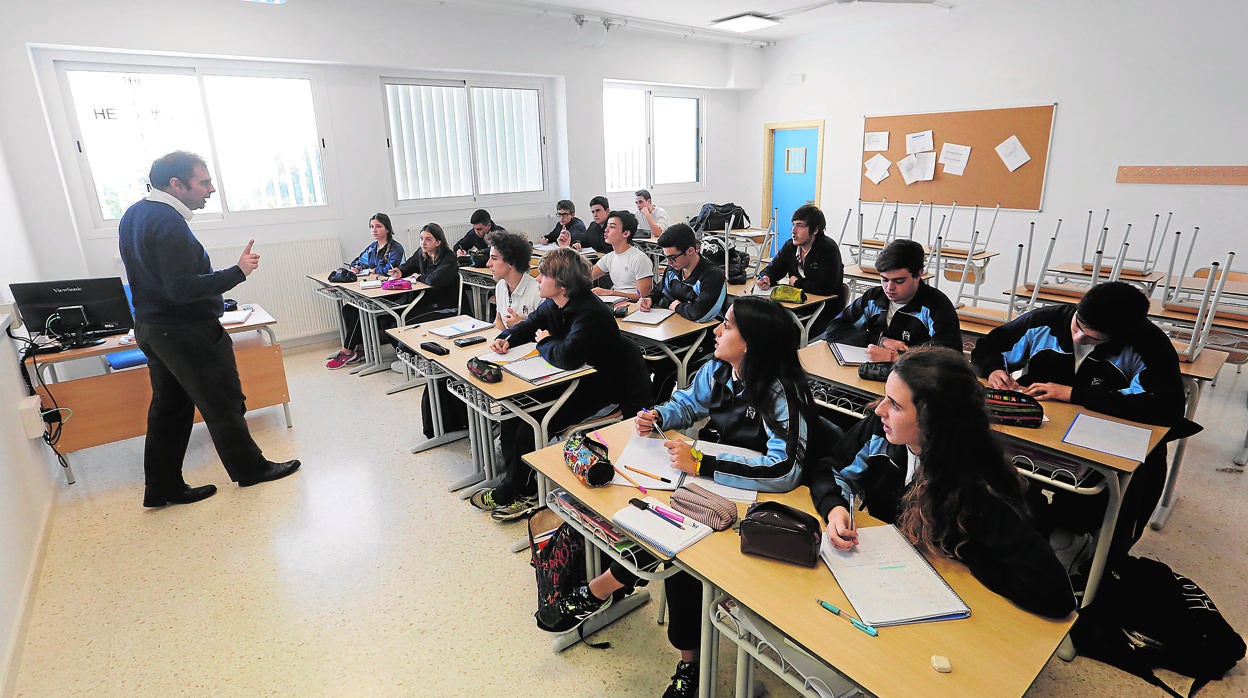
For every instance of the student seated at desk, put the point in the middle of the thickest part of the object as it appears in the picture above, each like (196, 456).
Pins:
(595, 231)
(570, 230)
(928, 461)
(382, 254)
(630, 269)
(475, 239)
(1103, 354)
(516, 293)
(692, 287)
(572, 328)
(811, 261)
(755, 396)
(901, 313)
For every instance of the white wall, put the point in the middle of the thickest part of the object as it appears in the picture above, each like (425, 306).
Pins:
(1137, 82)
(388, 36)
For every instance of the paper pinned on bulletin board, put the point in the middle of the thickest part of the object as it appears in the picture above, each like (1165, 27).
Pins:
(919, 142)
(919, 167)
(875, 141)
(1012, 153)
(877, 168)
(954, 157)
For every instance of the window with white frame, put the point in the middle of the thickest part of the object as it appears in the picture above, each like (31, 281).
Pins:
(257, 134)
(651, 138)
(453, 139)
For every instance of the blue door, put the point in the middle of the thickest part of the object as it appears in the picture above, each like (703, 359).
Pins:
(794, 149)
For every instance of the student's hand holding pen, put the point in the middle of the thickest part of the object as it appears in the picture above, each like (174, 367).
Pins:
(394, 273)
(841, 533)
(645, 421)
(1001, 380)
(499, 346)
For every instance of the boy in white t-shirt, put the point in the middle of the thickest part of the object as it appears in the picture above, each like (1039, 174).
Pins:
(516, 293)
(630, 269)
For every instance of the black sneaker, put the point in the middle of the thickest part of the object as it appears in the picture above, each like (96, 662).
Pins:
(570, 611)
(684, 681)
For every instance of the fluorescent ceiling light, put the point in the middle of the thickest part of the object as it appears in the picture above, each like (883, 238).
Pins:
(744, 23)
(268, 2)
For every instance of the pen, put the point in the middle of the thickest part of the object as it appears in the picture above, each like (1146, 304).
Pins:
(646, 506)
(631, 480)
(852, 506)
(652, 476)
(669, 513)
(857, 623)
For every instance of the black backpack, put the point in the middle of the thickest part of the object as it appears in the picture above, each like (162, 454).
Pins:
(1146, 617)
(738, 261)
(714, 216)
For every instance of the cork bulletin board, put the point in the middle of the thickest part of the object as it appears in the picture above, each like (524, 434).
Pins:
(986, 180)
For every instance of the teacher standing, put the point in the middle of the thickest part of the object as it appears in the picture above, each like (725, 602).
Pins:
(190, 357)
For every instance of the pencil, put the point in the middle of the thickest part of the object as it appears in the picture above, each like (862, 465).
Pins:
(652, 476)
(626, 477)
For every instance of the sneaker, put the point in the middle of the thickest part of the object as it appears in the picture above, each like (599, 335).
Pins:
(515, 510)
(340, 360)
(684, 681)
(357, 357)
(570, 611)
(483, 499)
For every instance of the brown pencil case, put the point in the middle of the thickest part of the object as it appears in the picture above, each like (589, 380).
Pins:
(704, 506)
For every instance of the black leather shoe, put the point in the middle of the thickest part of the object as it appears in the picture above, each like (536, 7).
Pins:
(269, 471)
(185, 495)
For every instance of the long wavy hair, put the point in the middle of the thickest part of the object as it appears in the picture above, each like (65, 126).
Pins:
(961, 460)
(771, 337)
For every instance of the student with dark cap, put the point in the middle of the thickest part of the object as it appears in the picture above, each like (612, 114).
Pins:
(811, 261)
(1103, 354)
(901, 313)
(570, 230)
(474, 240)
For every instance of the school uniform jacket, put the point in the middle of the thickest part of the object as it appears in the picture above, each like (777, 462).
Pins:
(1003, 550)
(929, 318)
(442, 275)
(715, 394)
(1135, 377)
(471, 241)
(593, 237)
(380, 264)
(823, 272)
(576, 228)
(701, 295)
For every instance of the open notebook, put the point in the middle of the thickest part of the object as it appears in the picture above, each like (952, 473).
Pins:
(538, 370)
(459, 328)
(658, 532)
(649, 317)
(848, 355)
(889, 583)
(648, 454)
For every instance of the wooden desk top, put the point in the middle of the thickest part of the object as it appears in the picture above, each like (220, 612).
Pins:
(1085, 270)
(999, 650)
(1186, 312)
(857, 271)
(1232, 287)
(747, 289)
(673, 328)
(259, 318)
(456, 362)
(354, 286)
(818, 361)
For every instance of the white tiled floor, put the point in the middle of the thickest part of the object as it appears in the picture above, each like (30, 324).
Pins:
(362, 575)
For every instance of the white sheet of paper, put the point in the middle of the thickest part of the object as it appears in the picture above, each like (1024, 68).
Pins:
(910, 169)
(877, 168)
(954, 158)
(875, 140)
(1012, 153)
(648, 454)
(653, 316)
(1108, 436)
(927, 165)
(919, 142)
(513, 354)
(611, 299)
(851, 354)
(736, 494)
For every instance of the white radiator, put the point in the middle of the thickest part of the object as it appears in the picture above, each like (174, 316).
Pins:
(280, 284)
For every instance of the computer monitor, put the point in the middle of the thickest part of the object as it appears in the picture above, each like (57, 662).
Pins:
(78, 312)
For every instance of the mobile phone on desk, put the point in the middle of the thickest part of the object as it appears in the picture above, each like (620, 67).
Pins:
(469, 341)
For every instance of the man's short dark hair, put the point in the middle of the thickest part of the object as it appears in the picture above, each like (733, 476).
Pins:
(600, 201)
(514, 248)
(480, 217)
(812, 217)
(627, 221)
(566, 205)
(901, 254)
(643, 193)
(178, 165)
(1114, 308)
(679, 236)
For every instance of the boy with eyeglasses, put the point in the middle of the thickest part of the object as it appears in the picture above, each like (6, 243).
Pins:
(692, 287)
(570, 230)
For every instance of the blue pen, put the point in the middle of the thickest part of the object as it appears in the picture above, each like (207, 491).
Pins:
(857, 623)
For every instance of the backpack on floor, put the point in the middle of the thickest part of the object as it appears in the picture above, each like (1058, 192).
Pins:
(557, 553)
(1146, 617)
(738, 260)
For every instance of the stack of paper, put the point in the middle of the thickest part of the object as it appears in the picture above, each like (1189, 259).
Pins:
(235, 317)
(465, 327)
(849, 355)
(538, 370)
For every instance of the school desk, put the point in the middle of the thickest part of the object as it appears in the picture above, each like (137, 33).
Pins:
(372, 303)
(804, 312)
(676, 338)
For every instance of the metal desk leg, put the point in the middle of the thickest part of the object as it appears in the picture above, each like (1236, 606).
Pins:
(706, 649)
(1242, 458)
(1116, 486)
(1169, 493)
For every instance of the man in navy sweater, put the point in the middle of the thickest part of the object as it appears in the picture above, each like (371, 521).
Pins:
(190, 358)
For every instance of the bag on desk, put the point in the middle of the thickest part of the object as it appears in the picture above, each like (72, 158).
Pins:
(485, 371)
(704, 506)
(588, 460)
(1147, 616)
(1013, 409)
(396, 285)
(780, 532)
(875, 370)
(342, 275)
(784, 293)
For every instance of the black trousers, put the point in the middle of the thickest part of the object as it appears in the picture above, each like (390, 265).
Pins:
(192, 366)
(684, 605)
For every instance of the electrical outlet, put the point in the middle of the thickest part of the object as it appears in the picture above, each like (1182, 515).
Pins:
(32, 421)
(15, 320)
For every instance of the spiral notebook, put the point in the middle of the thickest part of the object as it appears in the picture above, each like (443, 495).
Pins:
(889, 583)
(658, 532)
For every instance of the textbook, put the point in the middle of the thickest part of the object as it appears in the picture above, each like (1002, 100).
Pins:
(538, 370)
(657, 532)
(649, 455)
(653, 316)
(889, 583)
(465, 327)
(849, 355)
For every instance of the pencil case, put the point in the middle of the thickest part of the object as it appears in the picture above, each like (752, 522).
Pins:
(787, 294)
(704, 506)
(587, 458)
(1013, 409)
(780, 532)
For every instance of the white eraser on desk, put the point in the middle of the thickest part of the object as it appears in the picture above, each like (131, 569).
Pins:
(941, 664)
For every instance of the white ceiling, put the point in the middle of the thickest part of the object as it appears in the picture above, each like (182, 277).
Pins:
(797, 17)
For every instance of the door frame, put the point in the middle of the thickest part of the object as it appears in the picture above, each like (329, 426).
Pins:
(769, 151)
